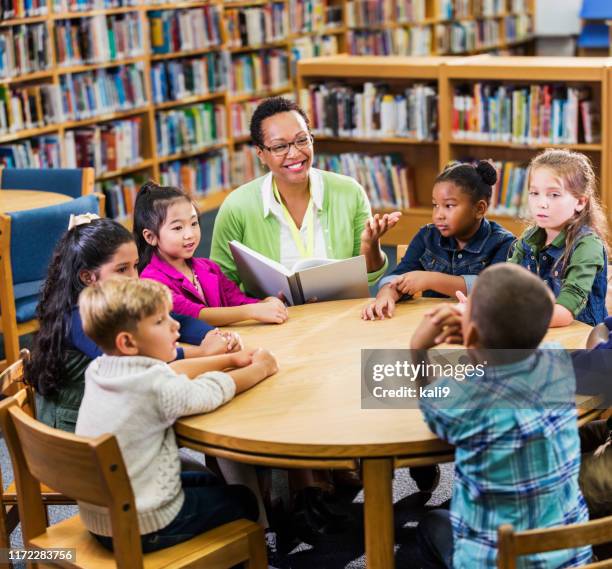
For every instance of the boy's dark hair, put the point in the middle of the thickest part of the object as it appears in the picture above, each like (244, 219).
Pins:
(150, 209)
(84, 247)
(474, 180)
(510, 307)
(268, 108)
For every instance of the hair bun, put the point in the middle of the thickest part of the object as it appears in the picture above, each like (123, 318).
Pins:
(148, 186)
(486, 172)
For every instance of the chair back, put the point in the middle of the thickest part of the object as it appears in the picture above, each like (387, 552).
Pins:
(513, 544)
(400, 252)
(88, 470)
(73, 182)
(12, 381)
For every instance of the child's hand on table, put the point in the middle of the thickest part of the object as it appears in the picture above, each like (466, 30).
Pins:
(218, 342)
(440, 325)
(383, 305)
(411, 283)
(266, 360)
(271, 310)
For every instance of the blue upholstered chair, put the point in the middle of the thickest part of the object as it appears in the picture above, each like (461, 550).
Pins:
(73, 182)
(27, 240)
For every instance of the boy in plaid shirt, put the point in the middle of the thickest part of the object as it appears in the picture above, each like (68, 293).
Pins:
(517, 457)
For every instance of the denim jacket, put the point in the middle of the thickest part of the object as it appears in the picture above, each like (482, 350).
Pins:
(545, 262)
(431, 251)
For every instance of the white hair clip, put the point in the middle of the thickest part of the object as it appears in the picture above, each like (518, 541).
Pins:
(81, 219)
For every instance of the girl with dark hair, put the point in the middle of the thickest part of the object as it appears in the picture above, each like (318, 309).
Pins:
(89, 252)
(167, 233)
(447, 255)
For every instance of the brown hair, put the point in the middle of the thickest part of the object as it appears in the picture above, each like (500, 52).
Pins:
(578, 177)
(117, 305)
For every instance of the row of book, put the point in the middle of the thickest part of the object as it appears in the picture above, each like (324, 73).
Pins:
(176, 79)
(414, 41)
(93, 93)
(314, 46)
(37, 152)
(98, 39)
(372, 111)
(120, 195)
(192, 128)
(259, 71)
(253, 27)
(24, 108)
(240, 117)
(107, 147)
(467, 35)
(363, 13)
(185, 30)
(536, 114)
(198, 176)
(510, 193)
(388, 182)
(10, 9)
(24, 49)
(62, 6)
(517, 27)
(314, 16)
(245, 165)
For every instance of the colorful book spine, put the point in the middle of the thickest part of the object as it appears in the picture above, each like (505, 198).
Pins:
(61, 6)
(185, 30)
(259, 71)
(37, 152)
(254, 27)
(24, 49)
(410, 11)
(98, 39)
(373, 111)
(24, 108)
(364, 13)
(189, 129)
(10, 9)
(107, 147)
(120, 195)
(198, 177)
(179, 78)
(245, 165)
(314, 16)
(314, 46)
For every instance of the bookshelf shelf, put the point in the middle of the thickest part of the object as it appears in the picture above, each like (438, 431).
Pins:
(105, 117)
(26, 78)
(145, 164)
(449, 74)
(245, 4)
(91, 13)
(269, 45)
(188, 53)
(190, 100)
(321, 32)
(100, 65)
(20, 21)
(28, 133)
(191, 153)
(177, 6)
(211, 201)
(242, 97)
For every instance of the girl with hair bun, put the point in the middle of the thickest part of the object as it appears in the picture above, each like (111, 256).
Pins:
(447, 255)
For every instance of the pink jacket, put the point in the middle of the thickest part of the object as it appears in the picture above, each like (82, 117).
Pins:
(218, 290)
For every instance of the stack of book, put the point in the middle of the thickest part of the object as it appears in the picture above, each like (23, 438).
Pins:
(107, 147)
(374, 112)
(198, 177)
(179, 78)
(192, 128)
(536, 114)
(98, 39)
(185, 30)
(388, 182)
(38, 152)
(107, 90)
(24, 49)
(254, 27)
(29, 107)
(245, 165)
(259, 71)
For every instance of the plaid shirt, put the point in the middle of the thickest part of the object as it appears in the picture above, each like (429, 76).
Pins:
(517, 456)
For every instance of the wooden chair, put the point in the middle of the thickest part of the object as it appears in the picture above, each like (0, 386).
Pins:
(92, 470)
(400, 252)
(11, 383)
(27, 240)
(73, 182)
(513, 544)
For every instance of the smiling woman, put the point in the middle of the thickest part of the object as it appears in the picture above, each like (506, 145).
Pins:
(296, 211)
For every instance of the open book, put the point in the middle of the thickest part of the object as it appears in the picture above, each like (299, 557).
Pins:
(323, 279)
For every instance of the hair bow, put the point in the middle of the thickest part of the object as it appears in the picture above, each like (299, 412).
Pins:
(81, 219)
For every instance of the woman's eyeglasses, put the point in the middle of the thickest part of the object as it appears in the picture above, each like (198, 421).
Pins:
(282, 149)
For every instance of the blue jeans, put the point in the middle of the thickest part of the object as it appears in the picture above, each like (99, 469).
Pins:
(208, 504)
(435, 540)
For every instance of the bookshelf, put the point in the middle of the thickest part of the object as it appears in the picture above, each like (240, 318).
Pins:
(451, 77)
(120, 67)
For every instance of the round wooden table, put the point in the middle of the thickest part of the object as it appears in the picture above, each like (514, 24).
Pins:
(309, 415)
(21, 200)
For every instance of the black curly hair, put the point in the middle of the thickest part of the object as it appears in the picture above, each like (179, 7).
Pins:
(268, 108)
(84, 247)
(150, 210)
(476, 180)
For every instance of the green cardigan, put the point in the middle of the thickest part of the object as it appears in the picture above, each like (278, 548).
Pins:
(342, 217)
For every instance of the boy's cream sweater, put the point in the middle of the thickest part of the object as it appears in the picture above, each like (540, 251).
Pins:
(138, 399)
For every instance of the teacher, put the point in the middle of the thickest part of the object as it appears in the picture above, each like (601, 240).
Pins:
(296, 211)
